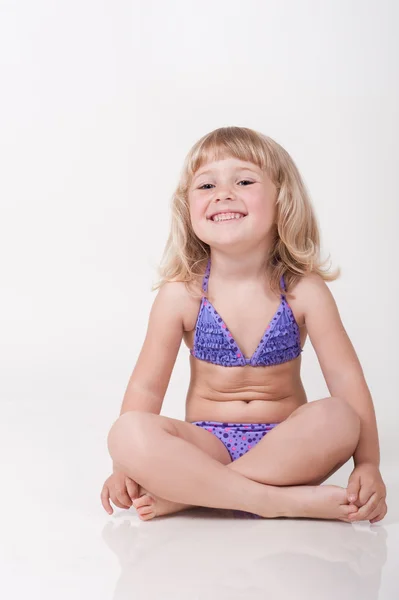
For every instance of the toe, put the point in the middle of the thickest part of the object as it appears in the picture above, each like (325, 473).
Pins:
(348, 509)
(146, 514)
(146, 510)
(144, 500)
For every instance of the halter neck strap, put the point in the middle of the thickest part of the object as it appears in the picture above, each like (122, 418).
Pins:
(206, 276)
(282, 284)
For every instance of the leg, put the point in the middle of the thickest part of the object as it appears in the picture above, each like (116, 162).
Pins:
(147, 447)
(307, 448)
(148, 505)
(150, 450)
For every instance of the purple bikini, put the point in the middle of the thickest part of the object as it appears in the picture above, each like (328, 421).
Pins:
(214, 343)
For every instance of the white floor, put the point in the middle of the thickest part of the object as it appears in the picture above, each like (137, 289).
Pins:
(57, 542)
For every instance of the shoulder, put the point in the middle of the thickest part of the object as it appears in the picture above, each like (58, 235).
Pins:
(309, 283)
(172, 293)
(179, 299)
(311, 293)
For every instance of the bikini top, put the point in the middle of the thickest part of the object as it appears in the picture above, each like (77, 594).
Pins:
(214, 343)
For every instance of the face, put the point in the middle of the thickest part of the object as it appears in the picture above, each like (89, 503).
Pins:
(232, 203)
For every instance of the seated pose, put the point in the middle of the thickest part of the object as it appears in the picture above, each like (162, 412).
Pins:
(243, 284)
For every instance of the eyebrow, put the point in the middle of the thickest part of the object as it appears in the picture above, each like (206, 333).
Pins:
(211, 171)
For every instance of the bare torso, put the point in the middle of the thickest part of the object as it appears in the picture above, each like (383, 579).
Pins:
(243, 394)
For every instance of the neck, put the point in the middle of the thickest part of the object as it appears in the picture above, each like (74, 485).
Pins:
(250, 267)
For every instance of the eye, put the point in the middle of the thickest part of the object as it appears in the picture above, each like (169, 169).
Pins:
(242, 181)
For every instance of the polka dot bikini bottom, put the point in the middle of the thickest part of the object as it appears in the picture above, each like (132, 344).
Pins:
(237, 437)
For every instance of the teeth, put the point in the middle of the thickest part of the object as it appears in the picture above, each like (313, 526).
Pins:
(227, 216)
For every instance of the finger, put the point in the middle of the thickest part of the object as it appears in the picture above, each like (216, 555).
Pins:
(349, 509)
(132, 488)
(366, 509)
(116, 500)
(381, 515)
(352, 490)
(377, 510)
(123, 496)
(380, 510)
(365, 494)
(105, 500)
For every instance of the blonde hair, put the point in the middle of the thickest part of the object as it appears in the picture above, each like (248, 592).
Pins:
(295, 249)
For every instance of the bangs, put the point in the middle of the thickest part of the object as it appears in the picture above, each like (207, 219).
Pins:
(229, 142)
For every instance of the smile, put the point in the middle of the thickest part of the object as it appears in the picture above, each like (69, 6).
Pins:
(228, 216)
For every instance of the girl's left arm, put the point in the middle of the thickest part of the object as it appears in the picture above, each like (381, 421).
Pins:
(345, 379)
(338, 361)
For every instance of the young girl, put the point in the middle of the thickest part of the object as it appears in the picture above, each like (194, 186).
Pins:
(242, 284)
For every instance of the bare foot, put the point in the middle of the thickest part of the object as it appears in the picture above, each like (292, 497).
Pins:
(314, 502)
(149, 506)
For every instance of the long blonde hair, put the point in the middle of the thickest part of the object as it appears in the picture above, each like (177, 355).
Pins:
(295, 249)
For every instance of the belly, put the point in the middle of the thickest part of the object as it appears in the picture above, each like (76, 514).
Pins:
(244, 394)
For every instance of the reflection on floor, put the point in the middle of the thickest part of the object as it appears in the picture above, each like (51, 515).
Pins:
(198, 554)
(207, 553)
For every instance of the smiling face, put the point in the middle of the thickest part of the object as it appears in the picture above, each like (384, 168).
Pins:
(232, 203)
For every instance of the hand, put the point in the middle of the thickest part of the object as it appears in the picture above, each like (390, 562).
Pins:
(367, 491)
(121, 489)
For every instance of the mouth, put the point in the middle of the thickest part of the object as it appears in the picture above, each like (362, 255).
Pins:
(227, 217)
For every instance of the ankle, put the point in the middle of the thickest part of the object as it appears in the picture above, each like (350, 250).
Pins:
(265, 501)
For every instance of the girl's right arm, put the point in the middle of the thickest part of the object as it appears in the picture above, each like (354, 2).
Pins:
(150, 377)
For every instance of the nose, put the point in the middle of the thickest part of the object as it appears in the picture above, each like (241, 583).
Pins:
(224, 193)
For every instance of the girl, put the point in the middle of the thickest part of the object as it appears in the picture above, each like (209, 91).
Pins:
(242, 284)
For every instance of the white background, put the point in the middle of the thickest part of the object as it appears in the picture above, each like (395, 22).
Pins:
(99, 103)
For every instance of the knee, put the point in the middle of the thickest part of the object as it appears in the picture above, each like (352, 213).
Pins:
(127, 435)
(338, 415)
(341, 410)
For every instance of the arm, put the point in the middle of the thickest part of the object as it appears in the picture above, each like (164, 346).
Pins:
(339, 362)
(150, 377)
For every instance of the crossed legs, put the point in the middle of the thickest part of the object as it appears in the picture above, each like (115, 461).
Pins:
(188, 466)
